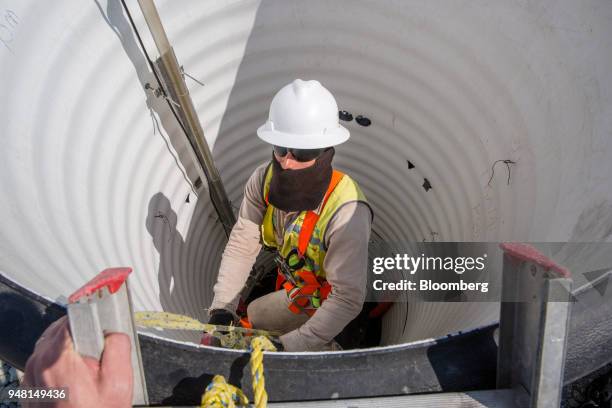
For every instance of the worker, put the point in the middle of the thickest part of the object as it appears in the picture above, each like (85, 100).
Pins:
(314, 218)
(88, 382)
(324, 277)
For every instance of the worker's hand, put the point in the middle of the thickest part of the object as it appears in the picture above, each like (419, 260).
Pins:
(277, 343)
(221, 317)
(89, 382)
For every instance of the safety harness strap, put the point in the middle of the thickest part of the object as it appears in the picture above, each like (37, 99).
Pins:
(311, 218)
(312, 292)
(309, 292)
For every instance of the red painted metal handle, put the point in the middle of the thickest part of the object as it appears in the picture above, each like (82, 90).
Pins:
(112, 278)
(525, 252)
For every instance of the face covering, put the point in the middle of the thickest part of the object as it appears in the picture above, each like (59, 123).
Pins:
(300, 190)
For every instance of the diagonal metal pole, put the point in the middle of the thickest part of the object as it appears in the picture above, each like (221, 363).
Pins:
(178, 89)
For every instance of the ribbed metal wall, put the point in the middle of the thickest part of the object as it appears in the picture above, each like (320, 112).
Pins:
(94, 173)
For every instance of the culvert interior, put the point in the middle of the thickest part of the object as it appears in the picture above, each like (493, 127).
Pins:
(472, 121)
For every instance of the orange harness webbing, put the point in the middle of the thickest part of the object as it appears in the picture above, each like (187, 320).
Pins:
(302, 295)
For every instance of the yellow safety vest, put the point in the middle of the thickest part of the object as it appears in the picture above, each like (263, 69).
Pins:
(345, 191)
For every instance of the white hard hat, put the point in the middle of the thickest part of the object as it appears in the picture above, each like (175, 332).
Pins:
(303, 115)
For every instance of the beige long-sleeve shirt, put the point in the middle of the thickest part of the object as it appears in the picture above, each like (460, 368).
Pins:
(345, 264)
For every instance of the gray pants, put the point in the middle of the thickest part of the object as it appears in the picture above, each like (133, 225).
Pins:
(270, 312)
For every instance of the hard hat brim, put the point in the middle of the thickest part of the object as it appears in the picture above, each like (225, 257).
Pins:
(330, 138)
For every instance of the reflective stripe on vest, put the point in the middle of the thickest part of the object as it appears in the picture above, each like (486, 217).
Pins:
(306, 233)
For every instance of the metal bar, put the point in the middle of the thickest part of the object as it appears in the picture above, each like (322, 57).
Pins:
(178, 89)
(507, 328)
(550, 358)
(470, 399)
(534, 321)
(504, 398)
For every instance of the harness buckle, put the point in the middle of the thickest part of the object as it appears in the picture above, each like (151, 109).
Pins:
(284, 269)
(298, 283)
(291, 263)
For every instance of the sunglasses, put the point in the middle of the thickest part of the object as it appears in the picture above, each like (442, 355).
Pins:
(301, 155)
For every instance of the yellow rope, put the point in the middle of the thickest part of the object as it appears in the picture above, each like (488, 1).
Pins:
(220, 394)
(258, 345)
(165, 320)
(234, 337)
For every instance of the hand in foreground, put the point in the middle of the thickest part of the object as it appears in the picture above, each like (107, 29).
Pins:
(89, 382)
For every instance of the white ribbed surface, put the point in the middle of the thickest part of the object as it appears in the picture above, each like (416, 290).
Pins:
(451, 86)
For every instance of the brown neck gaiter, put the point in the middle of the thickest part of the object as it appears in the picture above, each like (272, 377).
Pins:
(300, 190)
